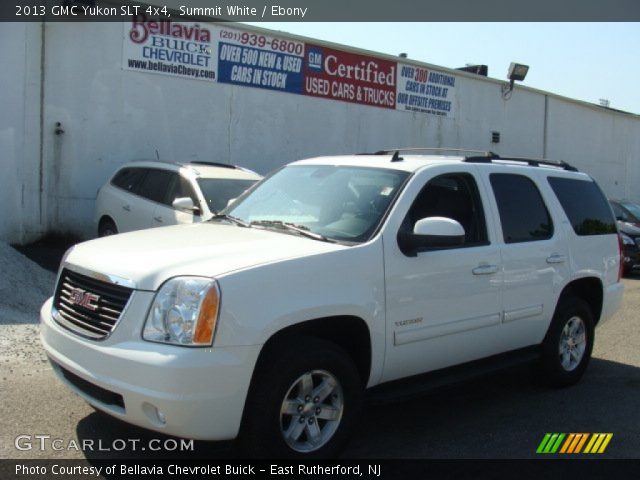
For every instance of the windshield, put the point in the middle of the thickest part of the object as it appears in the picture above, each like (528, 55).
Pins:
(218, 191)
(633, 209)
(339, 203)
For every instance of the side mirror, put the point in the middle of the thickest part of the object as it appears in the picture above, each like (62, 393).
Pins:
(185, 203)
(431, 232)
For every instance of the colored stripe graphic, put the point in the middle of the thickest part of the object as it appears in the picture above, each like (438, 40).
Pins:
(543, 443)
(550, 443)
(598, 442)
(567, 443)
(574, 443)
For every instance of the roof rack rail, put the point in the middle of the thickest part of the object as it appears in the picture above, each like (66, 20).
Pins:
(430, 149)
(533, 162)
(482, 156)
(218, 164)
(213, 164)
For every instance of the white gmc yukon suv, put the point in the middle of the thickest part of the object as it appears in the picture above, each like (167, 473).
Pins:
(332, 276)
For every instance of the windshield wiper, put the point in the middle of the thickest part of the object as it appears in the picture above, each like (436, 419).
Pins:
(301, 229)
(231, 218)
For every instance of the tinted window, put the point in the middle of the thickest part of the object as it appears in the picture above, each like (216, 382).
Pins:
(156, 185)
(452, 196)
(523, 214)
(585, 206)
(128, 178)
(218, 191)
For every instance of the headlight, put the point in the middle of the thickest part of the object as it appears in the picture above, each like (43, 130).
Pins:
(184, 312)
(627, 240)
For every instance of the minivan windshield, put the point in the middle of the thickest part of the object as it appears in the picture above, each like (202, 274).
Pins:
(218, 191)
(340, 203)
(633, 208)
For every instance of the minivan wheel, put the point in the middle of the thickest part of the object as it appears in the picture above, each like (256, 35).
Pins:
(566, 350)
(303, 403)
(107, 228)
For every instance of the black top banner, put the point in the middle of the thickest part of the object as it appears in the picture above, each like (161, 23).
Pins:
(326, 10)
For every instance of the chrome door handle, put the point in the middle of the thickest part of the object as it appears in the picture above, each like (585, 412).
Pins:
(158, 219)
(126, 207)
(556, 258)
(485, 269)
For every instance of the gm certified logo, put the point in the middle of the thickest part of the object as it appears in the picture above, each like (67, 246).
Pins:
(84, 299)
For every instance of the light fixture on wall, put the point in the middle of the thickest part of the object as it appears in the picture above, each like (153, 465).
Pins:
(517, 72)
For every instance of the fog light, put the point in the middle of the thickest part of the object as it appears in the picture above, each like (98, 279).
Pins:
(154, 415)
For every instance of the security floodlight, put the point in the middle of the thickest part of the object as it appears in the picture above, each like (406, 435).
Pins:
(517, 72)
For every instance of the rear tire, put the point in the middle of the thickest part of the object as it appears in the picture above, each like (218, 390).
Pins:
(107, 228)
(566, 349)
(303, 402)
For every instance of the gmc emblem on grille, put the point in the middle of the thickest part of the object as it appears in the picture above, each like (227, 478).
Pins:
(84, 299)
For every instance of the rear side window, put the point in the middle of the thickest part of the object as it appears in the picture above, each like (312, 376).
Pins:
(156, 184)
(128, 178)
(585, 206)
(523, 214)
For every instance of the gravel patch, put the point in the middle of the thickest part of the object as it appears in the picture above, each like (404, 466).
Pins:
(24, 286)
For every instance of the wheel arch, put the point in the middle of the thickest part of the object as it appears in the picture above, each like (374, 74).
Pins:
(590, 289)
(349, 332)
(104, 219)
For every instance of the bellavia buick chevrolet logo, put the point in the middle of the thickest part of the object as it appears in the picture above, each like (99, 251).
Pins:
(574, 443)
(77, 296)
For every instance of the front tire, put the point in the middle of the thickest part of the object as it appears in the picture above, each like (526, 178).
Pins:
(566, 350)
(303, 402)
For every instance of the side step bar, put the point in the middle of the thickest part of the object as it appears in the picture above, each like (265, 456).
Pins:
(411, 387)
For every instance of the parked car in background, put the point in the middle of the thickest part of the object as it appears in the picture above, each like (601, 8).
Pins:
(147, 194)
(628, 219)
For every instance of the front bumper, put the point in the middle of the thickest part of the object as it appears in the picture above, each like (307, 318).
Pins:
(194, 393)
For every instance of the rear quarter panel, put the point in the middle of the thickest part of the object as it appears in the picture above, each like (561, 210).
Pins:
(589, 255)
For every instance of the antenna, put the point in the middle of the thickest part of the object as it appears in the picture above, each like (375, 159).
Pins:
(157, 155)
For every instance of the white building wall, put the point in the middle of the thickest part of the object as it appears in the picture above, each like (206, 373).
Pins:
(110, 116)
(604, 144)
(19, 130)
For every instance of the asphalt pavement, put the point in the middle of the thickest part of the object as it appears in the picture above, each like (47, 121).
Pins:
(504, 415)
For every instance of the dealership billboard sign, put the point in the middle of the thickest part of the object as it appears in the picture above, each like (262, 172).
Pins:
(216, 53)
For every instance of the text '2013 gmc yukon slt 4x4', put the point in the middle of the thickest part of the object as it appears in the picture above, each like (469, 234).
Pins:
(331, 276)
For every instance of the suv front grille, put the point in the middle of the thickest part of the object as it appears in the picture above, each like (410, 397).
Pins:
(87, 306)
